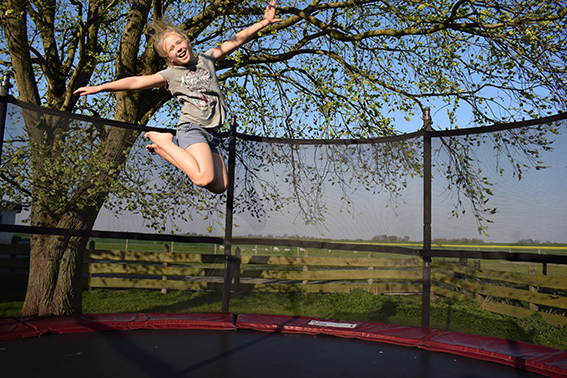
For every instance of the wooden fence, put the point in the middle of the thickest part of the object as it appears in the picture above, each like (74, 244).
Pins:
(119, 269)
(512, 294)
(14, 263)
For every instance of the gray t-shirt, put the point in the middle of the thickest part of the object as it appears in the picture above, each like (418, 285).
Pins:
(197, 88)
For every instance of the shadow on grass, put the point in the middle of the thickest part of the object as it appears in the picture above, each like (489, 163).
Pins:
(12, 296)
(149, 301)
(194, 302)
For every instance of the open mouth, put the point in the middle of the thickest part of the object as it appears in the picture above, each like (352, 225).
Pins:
(182, 54)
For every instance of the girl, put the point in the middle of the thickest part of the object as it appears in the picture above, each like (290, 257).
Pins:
(192, 80)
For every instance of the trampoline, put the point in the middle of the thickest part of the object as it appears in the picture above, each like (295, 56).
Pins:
(227, 345)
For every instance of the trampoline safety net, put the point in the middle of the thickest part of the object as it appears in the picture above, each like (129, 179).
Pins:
(484, 183)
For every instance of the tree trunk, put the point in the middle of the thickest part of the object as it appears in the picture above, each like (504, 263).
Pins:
(56, 267)
(55, 278)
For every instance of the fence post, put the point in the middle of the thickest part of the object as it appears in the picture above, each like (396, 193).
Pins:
(92, 246)
(229, 215)
(236, 267)
(533, 270)
(4, 91)
(164, 278)
(477, 280)
(426, 253)
(305, 269)
(463, 261)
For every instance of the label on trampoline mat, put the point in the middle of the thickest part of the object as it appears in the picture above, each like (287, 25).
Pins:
(331, 324)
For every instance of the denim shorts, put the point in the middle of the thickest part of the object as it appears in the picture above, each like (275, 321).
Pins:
(189, 133)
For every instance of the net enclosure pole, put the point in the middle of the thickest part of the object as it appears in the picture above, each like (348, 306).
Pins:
(4, 91)
(426, 253)
(227, 281)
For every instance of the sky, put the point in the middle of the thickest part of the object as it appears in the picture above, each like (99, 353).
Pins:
(534, 207)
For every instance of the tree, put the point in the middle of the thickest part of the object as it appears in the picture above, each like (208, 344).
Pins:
(330, 69)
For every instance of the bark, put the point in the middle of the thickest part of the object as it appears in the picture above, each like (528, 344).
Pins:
(15, 31)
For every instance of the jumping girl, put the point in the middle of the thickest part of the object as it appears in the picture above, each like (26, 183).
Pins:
(191, 78)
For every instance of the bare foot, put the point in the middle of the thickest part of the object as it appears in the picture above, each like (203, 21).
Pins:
(159, 138)
(155, 147)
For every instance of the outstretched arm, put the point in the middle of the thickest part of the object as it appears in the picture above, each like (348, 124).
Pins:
(132, 83)
(243, 36)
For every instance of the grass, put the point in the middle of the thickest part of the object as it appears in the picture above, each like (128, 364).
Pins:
(447, 315)
(11, 300)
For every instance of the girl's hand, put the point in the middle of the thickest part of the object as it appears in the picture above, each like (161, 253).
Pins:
(243, 36)
(270, 14)
(83, 91)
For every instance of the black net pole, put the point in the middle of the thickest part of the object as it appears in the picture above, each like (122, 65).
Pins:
(229, 216)
(426, 254)
(4, 91)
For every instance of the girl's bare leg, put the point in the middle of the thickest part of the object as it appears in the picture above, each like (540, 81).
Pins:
(154, 148)
(205, 168)
(220, 180)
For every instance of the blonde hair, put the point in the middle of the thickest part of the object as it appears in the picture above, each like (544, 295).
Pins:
(160, 30)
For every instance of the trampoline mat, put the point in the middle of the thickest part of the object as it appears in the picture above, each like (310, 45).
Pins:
(241, 353)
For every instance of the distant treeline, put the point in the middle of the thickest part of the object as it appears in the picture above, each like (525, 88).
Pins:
(391, 239)
(457, 241)
(531, 241)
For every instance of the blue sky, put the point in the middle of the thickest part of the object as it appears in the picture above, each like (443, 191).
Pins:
(534, 207)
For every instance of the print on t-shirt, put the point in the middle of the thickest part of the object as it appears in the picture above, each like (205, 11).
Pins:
(199, 83)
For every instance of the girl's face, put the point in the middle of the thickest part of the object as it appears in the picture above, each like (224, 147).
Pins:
(178, 50)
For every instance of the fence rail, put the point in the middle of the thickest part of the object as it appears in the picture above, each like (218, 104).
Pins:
(253, 273)
(505, 293)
